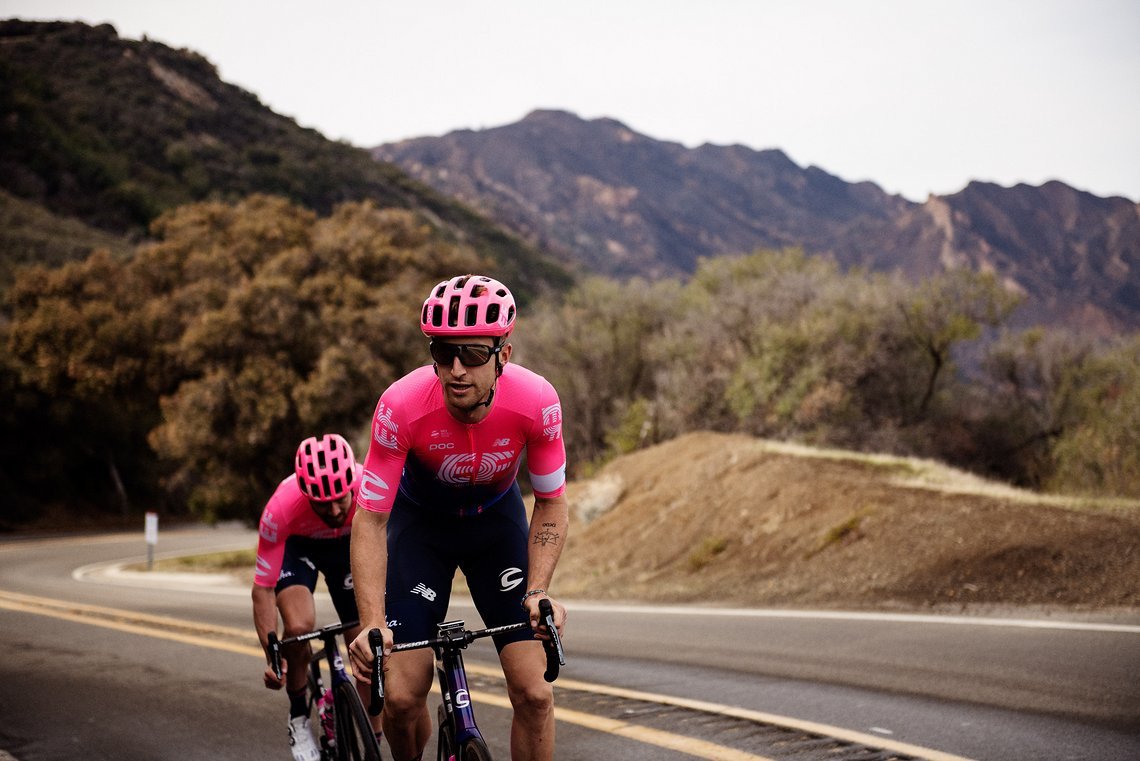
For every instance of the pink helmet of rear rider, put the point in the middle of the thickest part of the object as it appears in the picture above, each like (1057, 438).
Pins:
(326, 467)
(468, 305)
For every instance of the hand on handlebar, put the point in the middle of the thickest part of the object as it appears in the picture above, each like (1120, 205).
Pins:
(360, 653)
(275, 666)
(272, 681)
(536, 617)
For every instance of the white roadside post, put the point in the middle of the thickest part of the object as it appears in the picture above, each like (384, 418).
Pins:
(151, 538)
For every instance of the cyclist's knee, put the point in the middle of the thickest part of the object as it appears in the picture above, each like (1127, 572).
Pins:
(534, 698)
(403, 706)
(296, 626)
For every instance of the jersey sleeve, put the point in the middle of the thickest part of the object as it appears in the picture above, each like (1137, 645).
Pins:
(271, 538)
(545, 450)
(387, 451)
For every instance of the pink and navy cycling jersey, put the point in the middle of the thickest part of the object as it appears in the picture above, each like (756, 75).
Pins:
(437, 462)
(288, 514)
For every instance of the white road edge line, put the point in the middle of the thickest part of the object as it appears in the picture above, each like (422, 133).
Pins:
(904, 618)
(112, 572)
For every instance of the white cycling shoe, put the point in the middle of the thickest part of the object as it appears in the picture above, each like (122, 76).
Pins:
(301, 740)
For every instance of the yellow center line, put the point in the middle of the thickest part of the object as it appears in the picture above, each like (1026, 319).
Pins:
(688, 745)
(811, 727)
(120, 620)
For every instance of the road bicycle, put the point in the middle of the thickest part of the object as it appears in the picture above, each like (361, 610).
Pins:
(345, 732)
(459, 737)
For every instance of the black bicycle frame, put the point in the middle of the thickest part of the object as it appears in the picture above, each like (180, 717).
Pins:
(330, 652)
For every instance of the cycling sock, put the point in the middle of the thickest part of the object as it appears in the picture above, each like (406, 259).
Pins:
(298, 705)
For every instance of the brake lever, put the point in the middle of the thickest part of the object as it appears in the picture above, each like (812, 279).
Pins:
(274, 650)
(376, 691)
(555, 655)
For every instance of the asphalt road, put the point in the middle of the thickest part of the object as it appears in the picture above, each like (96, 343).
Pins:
(79, 683)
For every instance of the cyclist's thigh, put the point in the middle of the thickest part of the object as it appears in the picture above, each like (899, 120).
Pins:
(421, 566)
(331, 557)
(524, 664)
(295, 585)
(298, 610)
(408, 677)
(495, 565)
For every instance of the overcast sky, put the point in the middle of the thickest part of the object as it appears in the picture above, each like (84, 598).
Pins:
(918, 97)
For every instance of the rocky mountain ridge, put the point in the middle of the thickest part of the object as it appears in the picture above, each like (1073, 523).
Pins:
(609, 200)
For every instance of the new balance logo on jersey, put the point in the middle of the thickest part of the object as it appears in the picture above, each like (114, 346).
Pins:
(506, 442)
(424, 591)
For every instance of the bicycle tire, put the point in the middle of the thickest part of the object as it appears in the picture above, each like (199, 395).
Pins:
(445, 748)
(355, 740)
(316, 687)
(474, 750)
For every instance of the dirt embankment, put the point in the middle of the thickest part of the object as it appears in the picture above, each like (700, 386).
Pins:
(730, 519)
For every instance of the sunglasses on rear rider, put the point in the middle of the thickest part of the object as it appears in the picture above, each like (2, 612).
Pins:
(470, 355)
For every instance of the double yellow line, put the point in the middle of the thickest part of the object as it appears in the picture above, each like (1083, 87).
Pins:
(223, 638)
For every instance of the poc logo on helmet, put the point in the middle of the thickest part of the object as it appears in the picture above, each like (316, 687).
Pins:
(509, 579)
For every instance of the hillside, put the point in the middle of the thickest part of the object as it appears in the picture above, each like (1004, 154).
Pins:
(730, 519)
(30, 234)
(616, 202)
(112, 132)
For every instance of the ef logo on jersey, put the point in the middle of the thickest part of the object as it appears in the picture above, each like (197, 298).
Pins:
(552, 422)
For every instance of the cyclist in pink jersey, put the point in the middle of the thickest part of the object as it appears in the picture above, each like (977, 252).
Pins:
(305, 528)
(440, 492)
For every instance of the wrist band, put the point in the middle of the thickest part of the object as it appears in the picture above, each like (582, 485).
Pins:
(531, 593)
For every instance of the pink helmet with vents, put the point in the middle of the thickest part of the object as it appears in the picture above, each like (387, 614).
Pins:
(468, 305)
(326, 467)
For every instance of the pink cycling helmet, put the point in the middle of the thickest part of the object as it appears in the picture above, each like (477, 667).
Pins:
(326, 467)
(468, 305)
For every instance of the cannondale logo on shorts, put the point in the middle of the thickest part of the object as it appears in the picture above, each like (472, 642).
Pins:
(348, 580)
(509, 579)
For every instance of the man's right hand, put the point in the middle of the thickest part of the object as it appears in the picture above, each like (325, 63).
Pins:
(360, 653)
(271, 680)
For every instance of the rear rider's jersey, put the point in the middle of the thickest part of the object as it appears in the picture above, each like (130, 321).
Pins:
(436, 462)
(288, 514)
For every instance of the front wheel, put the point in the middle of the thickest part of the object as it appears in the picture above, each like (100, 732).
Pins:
(355, 740)
(445, 749)
(474, 750)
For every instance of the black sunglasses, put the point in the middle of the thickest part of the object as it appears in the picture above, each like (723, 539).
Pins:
(470, 355)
